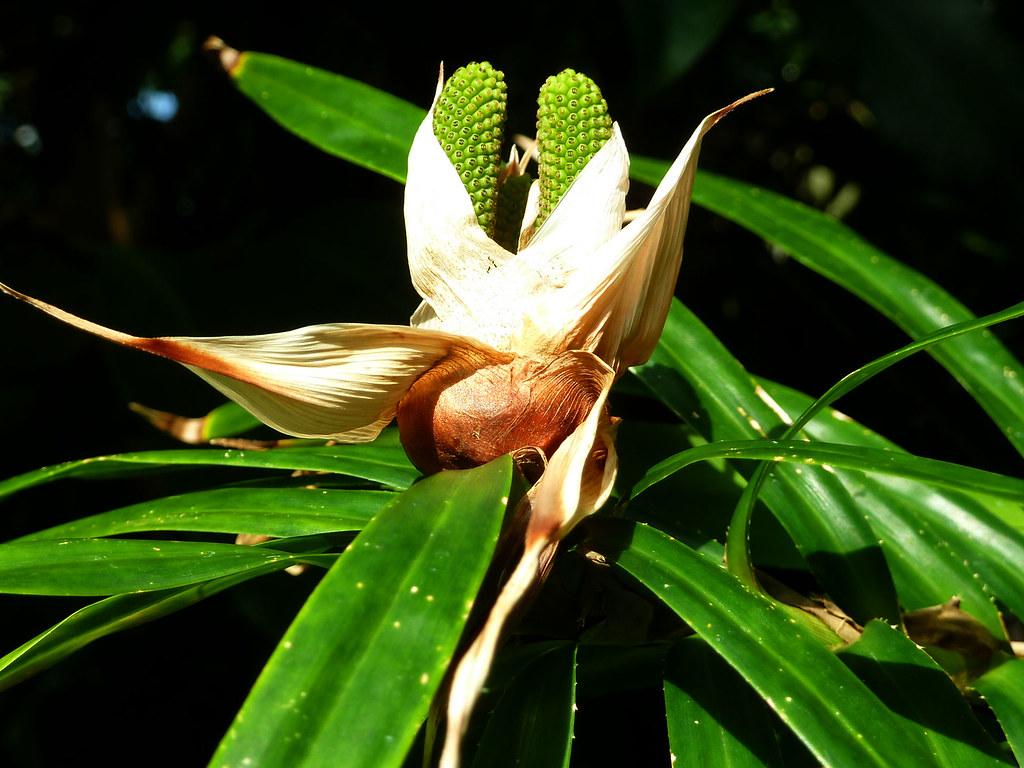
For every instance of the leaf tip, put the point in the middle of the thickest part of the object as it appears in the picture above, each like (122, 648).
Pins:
(231, 59)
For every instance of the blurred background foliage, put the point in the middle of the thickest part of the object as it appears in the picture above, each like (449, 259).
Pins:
(139, 189)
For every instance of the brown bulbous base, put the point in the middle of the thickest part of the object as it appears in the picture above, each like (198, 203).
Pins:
(461, 414)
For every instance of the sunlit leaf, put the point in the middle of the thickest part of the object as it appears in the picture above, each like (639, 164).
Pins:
(345, 117)
(917, 690)
(1003, 689)
(694, 375)
(113, 566)
(266, 511)
(909, 299)
(929, 566)
(118, 613)
(382, 461)
(832, 712)
(832, 455)
(716, 718)
(355, 673)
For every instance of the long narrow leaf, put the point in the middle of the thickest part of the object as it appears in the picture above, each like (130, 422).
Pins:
(929, 565)
(716, 718)
(832, 711)
(267, 511)
(909, 299)
(113, 566)
(737, 544)
(1003, 689)
(117, 613)
(382, 461)
(831, 455)
(345, 117)
(919, 691)
(694, 375)
(374, 129)
(354, 675)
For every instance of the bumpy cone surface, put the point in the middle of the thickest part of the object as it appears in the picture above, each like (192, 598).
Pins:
(469, 122)
(572, 125)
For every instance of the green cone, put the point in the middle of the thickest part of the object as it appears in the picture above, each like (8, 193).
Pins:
(572, 125)
(469, 121)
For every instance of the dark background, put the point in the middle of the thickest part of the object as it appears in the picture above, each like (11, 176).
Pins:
(218, 221)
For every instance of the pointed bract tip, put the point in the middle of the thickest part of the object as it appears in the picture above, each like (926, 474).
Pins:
(717, 115)
(440, 84)
(187, 430)
(230, 59)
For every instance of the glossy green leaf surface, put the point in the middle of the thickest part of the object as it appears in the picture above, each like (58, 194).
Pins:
(113, 566)
(979, 550)
(918, 691)
(117, 613)
(267, 511)
(832, 711)
(695, 376)
(355, 673)
(928, 566)
(533, 722)
(1003, 689)
(985, 368)
(382, 461)
(737, 545)
(716, 718)
(345, 117)
(832, 455)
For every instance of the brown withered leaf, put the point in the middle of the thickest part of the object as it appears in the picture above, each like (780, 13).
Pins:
(948, 626)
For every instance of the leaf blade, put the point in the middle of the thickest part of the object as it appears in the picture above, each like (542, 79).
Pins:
(1003, 689)
(919, 691)
(368, 650)
(382, 461)
(344, 117)
(277, 512)
(779, 657)
(87, 567)
(696, 377)
(918, 305)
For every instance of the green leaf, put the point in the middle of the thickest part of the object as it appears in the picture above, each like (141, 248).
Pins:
(928, 567)
(344, 117)
(737, 544)
(228, 420)
(115, 614)
(716, 718)
(532, 723)
(267, 511)
(921, 693)
(113, 566)
(1003, 689)
(832, 455)
(694, 375)
(355, 673)
(382, 461)
(832, 712)
(916, 304)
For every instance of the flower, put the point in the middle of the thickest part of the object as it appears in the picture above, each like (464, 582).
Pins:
(511, 350)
